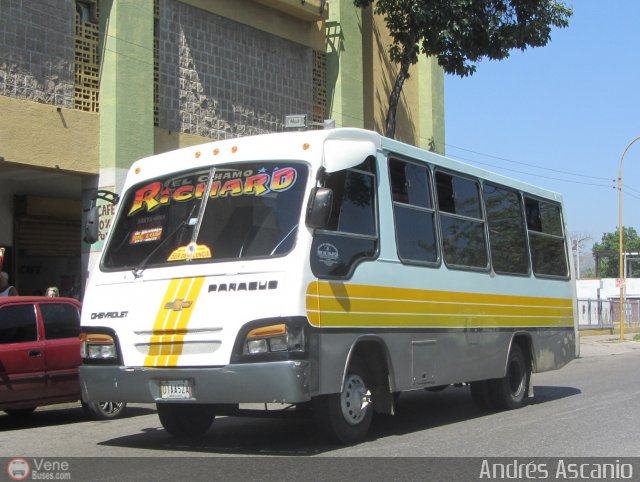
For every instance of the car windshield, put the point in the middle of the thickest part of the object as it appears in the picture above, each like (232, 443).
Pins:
(252, 211)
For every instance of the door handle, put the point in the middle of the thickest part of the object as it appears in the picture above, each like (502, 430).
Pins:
(35, 353)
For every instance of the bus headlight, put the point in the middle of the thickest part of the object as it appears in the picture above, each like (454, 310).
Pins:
(95, 346)
(274, 339)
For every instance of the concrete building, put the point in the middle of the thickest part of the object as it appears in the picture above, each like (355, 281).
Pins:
(89, 86)
(599, 302)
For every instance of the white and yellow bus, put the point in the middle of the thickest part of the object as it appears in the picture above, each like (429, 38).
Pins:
(329, 269)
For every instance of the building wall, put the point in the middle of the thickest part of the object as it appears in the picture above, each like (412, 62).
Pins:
(38, 123)
(420, 112)
(43, 135)
(37, 51)
(360, 77)
(221, 79)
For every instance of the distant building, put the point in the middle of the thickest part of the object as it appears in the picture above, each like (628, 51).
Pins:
(599, 301)
(88, 86)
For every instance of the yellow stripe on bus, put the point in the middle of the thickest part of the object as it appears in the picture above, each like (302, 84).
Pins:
(344, 305)
(170, 326)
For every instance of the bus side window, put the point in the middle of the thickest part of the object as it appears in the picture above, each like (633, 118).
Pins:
(546, 238)
(461, 222)
(507, 237)
(413, 212)
(351, 234)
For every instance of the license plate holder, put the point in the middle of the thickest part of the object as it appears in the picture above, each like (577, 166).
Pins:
(176, 389)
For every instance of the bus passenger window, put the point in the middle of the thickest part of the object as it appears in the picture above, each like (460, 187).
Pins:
(507, 238)
(413, 212)
(461, 222)
(546, 238)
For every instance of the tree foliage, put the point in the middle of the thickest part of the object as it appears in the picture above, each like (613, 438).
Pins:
(459, 33)
(609, 250)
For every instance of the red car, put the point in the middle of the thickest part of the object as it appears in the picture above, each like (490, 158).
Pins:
(40, 355)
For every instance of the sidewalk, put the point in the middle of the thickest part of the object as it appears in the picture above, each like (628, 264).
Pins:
(597, 345)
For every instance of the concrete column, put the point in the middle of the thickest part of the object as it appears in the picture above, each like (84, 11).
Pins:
(126, 98)
(344, 64)
(431, 104)
(126, 87)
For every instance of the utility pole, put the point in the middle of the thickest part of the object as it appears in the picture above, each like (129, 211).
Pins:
(621, 279)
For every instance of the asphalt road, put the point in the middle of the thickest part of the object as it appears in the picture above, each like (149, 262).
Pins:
(587, 409)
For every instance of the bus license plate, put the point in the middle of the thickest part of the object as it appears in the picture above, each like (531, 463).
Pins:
(176, 389)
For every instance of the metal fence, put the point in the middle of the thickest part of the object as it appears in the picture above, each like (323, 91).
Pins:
(606, 313)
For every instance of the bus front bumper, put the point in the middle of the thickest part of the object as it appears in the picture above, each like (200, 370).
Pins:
(271, 382)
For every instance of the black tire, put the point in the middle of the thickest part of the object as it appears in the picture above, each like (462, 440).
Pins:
(481, 394)
(510, 391)
(345, 417)
(104, 410)
(186, 420)
(20, 412)
(436, 389)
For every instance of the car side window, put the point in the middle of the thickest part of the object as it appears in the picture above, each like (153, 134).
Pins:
(18, 324)
(61, 320)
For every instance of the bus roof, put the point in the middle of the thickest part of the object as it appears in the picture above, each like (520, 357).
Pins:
(309, 146)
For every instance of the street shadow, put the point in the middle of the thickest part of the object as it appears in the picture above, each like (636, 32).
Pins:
(544, 394)
(66, 414)
(415, 411)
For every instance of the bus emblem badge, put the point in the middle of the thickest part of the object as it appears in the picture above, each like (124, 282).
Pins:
(328, 254)
(177, 305)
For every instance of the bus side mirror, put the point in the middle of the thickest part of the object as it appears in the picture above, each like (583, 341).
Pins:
(319, 209)
(91, 227)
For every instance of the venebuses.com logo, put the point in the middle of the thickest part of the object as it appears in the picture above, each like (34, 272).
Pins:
(18, 469)
(38, 469)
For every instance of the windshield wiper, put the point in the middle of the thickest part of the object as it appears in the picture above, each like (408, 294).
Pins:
(138, 270)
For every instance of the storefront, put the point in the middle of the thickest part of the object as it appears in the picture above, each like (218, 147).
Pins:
(40, 215)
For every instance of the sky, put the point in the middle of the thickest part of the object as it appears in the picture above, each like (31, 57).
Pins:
(561, 116)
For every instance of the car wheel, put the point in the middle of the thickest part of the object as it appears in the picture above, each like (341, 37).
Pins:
(104, 410)
(20, 412)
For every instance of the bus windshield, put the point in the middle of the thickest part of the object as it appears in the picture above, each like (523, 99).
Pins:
(252, 211)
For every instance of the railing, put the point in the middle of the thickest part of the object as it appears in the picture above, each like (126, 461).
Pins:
(603, 314)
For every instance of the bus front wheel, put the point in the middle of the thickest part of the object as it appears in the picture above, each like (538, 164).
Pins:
(345, 417)
(185, 420)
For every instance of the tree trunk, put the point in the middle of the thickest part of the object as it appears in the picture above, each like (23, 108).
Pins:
(403, 74)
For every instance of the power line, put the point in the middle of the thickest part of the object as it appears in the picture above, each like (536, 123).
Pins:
(629, 194)
(531, 165)
(534, 174)
(631, 189)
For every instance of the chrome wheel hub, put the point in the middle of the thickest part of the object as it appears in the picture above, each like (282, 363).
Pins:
(355, 400)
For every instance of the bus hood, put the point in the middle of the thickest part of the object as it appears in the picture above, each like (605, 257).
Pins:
(189, 321)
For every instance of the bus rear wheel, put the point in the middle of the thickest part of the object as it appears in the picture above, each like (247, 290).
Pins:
(185, 420)
(345, 417)
(481, 394)
(510, 391)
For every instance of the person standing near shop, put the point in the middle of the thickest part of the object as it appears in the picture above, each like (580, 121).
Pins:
(5, 288)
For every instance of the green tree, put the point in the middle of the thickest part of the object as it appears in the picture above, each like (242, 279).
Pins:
(608, 250)
(459, 33)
